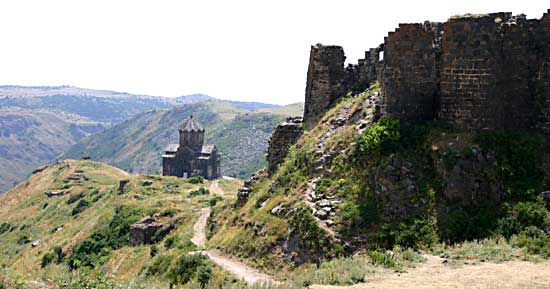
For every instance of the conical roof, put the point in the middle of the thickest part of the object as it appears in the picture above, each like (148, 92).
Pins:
(190, 125)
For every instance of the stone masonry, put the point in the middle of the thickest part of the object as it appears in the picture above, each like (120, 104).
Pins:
(476, 72)
(284, 136)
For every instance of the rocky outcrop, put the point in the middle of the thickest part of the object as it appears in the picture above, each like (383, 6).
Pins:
(148, 231)
(284, 136)
(244, 192)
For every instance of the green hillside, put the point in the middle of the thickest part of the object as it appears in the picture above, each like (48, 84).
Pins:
(30, 138)
(136, 145)
(356, 183)
(47, 239)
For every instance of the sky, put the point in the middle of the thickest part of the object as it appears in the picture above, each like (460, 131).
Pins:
(231, 49)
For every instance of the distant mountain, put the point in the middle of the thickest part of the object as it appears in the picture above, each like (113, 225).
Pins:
(241, 104)
(136, 145)
(30, 138)
(50, 119)
(98, 105)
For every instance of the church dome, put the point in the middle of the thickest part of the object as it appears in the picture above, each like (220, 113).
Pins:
(190, 125)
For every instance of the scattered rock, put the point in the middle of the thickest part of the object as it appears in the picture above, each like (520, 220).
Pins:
(36, 243)
(278, 210)
(56, 193)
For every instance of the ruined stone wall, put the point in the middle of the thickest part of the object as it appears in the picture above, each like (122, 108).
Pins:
(487, 72)
(543, 76)
(325, 78)
(409, 73)
(359, 76)
(475, 71)
(284, 136)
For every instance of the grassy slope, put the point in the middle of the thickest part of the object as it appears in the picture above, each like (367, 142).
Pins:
(29, 138)
(136, 145)
(504, 173)
(34, 216)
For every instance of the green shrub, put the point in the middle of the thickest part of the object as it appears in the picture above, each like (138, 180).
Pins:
(213, 201)
(469, 223)
(534, 241)
(47, 259)
(196, 180)
(186, 268)
(55, 255)
(382, 258)
(170, 212)
(420, 234)
(381, 137)
(5, 227)
(75, 197)
(171, 242)
(154, 251)
(93, 250)
(23, 240)
(204, 275)
(159, 265)
(519, 159)
(310, 236)
(200, 192)
(81, 206)
(449, 157)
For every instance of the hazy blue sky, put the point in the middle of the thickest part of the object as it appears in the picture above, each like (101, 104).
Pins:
(241, 50)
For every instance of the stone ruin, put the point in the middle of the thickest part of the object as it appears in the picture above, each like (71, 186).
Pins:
(284, 136)
(244, 192)
(148, 231)
(475, 71)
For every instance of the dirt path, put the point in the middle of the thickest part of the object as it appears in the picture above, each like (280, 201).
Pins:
(215, 188)
(199, 236)
(242, 271)
(239, 269)
(435, 274)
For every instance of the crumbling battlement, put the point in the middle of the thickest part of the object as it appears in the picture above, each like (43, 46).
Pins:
(284, 136)
(475, 71)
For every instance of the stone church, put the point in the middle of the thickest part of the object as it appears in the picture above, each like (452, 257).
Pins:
(191, 157)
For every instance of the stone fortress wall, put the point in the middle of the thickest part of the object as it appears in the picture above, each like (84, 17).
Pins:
(475, 71)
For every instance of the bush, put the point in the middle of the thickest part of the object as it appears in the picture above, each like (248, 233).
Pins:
(534, 241)
(75, 197)
(159, 265)
(196, 180)
(381, 137)
(201, 191)
(212, 202)
(518, 156)
(420, 234)
(46, 259)
(381, 258)
(204, 275)
(170, 212)
(469, 223)
(171, 242)
(5, 227)
(81, 206)
(56, 255)
(154, 251)
(186, 268)
(93, 250)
